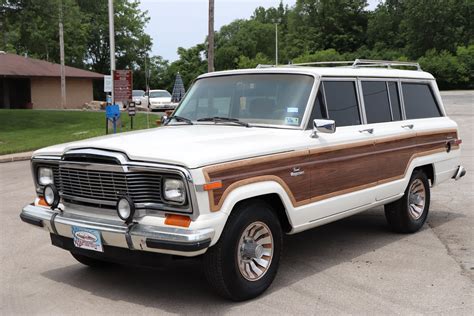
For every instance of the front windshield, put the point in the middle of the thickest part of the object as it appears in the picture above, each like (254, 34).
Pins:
(138, 93)
(269, 99)
(160, 94)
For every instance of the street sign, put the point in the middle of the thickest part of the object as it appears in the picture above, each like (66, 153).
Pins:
(132, 109)
(107, 83)
(123, 86)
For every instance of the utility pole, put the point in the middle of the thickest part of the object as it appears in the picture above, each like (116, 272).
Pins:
(276, 21)
(61, 56)
(112, 45)
(210, 38)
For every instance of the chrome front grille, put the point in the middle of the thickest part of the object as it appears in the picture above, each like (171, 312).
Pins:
(142, 187)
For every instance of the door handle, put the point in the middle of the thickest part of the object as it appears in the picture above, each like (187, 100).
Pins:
(368, 130)
(410, 126)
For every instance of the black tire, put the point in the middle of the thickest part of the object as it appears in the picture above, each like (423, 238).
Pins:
(91, 262)
(399, 214)
(221, 264)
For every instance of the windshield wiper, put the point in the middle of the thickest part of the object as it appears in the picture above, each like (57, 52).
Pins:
(180, 119)
(218, 119)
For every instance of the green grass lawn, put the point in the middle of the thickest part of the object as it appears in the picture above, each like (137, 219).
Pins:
(25, 130)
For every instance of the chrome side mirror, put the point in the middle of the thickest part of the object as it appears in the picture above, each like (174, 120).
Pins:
(164, 119)
(323, 126)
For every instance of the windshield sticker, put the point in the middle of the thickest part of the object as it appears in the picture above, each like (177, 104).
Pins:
(243, 103)
(292, 121)
(292, 110)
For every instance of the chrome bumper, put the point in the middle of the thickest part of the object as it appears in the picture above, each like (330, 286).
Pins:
(169, 240)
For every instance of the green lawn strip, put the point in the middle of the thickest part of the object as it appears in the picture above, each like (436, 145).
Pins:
(26, 130)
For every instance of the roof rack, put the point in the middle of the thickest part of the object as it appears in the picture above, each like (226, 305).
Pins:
(358, 63)
(384, 63)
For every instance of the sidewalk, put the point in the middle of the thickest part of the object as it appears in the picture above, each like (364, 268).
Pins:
(16, 157)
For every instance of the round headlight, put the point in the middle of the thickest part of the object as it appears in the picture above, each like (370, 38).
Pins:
(174, 191)
(45, 175)
(125, 209)
(51, 196)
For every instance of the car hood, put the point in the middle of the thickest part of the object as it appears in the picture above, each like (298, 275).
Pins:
(193, 146)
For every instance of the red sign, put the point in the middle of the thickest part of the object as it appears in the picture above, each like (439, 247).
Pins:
(123, 82)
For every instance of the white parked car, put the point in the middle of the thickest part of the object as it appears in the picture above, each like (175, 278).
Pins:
(255, 154)
(137, 96)
(160, 100)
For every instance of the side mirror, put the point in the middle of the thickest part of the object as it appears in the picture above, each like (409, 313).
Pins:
(323, 126)
(164, 119)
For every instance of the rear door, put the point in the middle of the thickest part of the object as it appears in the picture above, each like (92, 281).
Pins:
(394, 139)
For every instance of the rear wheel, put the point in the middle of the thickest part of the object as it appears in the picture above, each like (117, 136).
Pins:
(408, 214)
(244, 262)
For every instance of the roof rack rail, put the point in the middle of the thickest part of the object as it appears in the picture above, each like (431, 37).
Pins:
(353, 63)
(384, 63)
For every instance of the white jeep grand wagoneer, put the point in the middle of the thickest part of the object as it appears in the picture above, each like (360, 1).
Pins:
(254, 154)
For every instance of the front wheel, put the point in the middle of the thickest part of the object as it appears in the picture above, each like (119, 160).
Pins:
(244, 262)
(408, 214)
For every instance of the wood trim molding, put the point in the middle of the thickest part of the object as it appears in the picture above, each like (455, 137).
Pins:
(349, 152)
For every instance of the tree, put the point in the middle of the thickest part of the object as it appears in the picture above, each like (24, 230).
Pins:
(131, 42)
(324, 24)
(436, 24)
(31, 27)
(383, 30)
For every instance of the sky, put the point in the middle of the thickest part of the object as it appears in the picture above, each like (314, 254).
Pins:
(183, 23)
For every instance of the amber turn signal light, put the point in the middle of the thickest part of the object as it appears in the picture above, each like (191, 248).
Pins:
(212, 186)
(41, 202)
(177, 220)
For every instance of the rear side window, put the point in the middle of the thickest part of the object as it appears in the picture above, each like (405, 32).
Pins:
(341, 102)
(376, 101)
(419, 101)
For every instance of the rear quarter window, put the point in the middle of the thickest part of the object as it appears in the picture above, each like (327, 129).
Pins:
(419, 101)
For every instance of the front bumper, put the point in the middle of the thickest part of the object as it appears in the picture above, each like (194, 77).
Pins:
(139, 237)
(164, 106)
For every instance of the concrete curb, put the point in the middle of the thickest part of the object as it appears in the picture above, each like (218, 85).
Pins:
(16, 157)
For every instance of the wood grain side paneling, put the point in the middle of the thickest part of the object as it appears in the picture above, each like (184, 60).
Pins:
(259, 168)
(342, 169)
(329, 171)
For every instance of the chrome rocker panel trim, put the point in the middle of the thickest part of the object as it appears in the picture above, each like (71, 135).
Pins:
(168, 240)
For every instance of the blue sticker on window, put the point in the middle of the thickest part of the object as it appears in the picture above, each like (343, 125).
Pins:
(292, 121)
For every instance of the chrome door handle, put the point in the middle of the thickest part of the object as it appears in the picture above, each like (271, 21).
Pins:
(368, 130)
(410, 126)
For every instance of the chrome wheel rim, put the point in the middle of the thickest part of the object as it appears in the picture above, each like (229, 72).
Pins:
(416, 199)
(255, 251)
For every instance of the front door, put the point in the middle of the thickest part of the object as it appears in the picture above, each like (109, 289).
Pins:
(342, 165)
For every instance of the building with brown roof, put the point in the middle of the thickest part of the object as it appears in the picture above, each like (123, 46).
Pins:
(31, 83)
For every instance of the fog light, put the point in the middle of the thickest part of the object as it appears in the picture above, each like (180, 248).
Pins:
(125, 209)
(51, 196)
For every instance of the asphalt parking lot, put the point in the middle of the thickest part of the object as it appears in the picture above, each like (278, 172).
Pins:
(354, 266)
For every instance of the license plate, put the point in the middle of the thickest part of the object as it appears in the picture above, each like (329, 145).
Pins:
(87, 238)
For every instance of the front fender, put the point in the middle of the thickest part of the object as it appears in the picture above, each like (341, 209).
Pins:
(251, 191)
